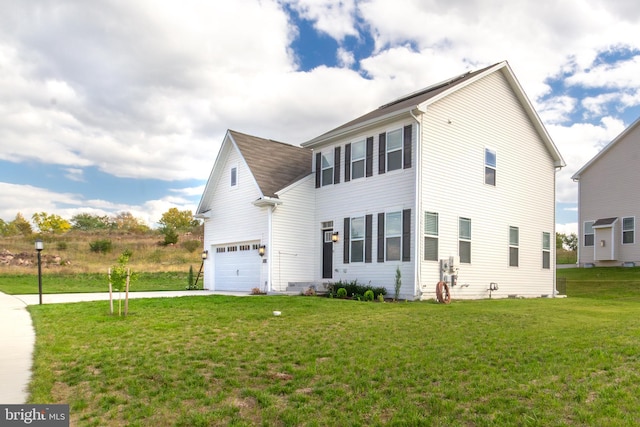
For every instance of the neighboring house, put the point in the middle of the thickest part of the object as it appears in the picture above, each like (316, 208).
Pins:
(462, 169)
(608, 205)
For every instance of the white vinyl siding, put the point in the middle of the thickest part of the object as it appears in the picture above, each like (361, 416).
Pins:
(456, 130)
(376, 194)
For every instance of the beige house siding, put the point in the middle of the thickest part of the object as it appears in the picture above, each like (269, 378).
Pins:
(606, 190)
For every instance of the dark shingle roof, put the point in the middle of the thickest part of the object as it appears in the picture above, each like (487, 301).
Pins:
(273, 164)
(603, 222)
(406, 102)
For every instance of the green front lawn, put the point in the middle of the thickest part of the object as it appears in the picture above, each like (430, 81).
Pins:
(89, 282)
(215, 360)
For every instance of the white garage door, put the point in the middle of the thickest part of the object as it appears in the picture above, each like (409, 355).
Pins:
(237, 267)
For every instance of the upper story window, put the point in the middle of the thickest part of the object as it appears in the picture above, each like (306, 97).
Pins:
(464, 240)
(546, 250)
(514, 246)
(394, 150)
(430, 236)
(628, 230)
(588, 233)
(234, 176)
(327, 169)
(357, 159)
(489, 166)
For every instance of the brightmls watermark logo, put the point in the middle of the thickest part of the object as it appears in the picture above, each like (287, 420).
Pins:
(34, 415)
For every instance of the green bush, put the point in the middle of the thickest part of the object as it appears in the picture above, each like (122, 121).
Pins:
(191, 245)
(354, 289)
(101, 246)
(342, 293)
(170, 237)
(368, 295)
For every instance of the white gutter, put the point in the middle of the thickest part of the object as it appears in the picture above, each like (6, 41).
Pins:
(418, 203)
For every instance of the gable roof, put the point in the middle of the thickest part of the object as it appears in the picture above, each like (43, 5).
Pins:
(609, 146)
(274, 164)
(419, 100)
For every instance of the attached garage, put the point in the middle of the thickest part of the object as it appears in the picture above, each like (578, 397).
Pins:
(237, 267)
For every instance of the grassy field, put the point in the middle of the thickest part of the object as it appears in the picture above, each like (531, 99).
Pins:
(200, 361)
(56, 283)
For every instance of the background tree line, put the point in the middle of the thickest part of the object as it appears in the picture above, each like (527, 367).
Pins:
(172, 223)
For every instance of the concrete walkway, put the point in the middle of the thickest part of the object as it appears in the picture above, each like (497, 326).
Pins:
(18, 336)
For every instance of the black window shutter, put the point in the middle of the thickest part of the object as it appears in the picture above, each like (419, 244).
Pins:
(347, 234)
(318, 169)
(368, 230)
(382, 153)
(369, 159)
(347, 163)
(381, 237)
(336, 165)
(406, 235)
(407, 147)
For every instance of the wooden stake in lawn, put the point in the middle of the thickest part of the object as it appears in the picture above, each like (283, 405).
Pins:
(110, 294)
(126, 294)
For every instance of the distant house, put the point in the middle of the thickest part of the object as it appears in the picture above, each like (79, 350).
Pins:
(461, 171)
(608, 203)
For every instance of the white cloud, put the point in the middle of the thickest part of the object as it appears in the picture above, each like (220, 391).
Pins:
(334, 18)
(148, 88)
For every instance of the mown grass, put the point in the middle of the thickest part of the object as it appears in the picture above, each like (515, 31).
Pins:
(90, 282)
(198, 361)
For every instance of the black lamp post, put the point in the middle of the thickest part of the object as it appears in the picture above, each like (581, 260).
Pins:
(39, 248)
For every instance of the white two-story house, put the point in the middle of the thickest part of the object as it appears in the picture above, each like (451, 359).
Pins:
(461, 170)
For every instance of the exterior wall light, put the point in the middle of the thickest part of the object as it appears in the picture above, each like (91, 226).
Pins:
(261, 249)
(204, 255)
(335, 237)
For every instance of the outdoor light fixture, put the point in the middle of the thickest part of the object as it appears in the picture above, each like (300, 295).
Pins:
(334, 237)
(261, 249)
(204, 255)
(39, 248)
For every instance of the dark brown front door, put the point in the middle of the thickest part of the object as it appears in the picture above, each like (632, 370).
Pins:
(327, 254)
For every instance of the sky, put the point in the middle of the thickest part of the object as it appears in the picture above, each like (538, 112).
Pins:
(121, 106)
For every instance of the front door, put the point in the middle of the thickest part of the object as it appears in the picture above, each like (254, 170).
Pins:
(327, 254)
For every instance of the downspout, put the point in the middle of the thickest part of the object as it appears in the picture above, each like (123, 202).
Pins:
(270, 247)
(418, 204)
(552, 243)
